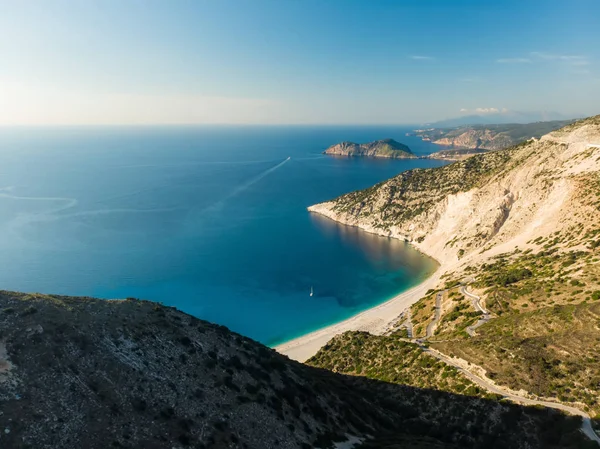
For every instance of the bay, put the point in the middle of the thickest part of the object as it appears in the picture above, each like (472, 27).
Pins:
(211, 220)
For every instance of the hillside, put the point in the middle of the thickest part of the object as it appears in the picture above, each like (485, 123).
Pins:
(517, 233)
(391, 358)
(500, 117)
(81, 372)
(504, 197)
(485, 137)
(387, 148)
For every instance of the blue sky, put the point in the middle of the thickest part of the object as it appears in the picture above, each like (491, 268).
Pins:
(291, 61)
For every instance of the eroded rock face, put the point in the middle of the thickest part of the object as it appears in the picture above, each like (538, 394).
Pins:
(481, 203)
(387, 148)
(484, 139)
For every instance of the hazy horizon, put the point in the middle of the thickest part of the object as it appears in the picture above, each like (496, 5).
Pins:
(282, 63)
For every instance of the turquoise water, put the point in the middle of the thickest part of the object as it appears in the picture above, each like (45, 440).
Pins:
(211, 220)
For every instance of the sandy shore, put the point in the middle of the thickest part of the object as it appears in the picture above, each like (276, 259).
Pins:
(374, 320)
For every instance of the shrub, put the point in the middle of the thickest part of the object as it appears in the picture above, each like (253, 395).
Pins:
(29, 311)
(513, 275)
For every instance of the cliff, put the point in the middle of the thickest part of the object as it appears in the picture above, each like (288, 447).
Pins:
(487, 137)
(484, 201)
(387, 148)
(82, 372)
(476, 138)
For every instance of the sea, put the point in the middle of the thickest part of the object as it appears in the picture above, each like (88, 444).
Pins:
(210, 219)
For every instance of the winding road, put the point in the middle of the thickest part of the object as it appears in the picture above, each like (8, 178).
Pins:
(477, 305)
(409, 326)
(586, 424)
(436, 317)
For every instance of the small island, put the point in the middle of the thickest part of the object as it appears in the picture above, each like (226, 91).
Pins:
(387, 148)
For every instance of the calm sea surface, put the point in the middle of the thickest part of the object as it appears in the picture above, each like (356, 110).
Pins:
(211, 220)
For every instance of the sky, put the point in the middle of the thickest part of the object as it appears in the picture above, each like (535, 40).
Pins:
(115, 62)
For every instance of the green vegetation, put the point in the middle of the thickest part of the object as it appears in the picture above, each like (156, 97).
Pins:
(550, 352)
(391, 359)
(520, 132)
(414, 192)
(422, 314)
(543, 332)
(491, 137)
(542, 279)
(545, 338)
(387, 148)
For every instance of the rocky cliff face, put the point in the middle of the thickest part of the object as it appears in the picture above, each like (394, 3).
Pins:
(387, 148)
(487, 201)
(484, 139)
(81, 372)
(489, 137)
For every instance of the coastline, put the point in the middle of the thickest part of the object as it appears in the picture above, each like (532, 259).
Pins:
(374, 320)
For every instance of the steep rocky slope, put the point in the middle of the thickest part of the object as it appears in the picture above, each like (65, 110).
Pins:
(486, 203)
(471, 138)
(80, 372)
(387, 148)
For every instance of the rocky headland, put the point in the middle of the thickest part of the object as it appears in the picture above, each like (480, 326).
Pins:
(386, 148)
(465, 141)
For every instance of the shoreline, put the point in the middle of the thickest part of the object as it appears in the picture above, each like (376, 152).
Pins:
(374, 320)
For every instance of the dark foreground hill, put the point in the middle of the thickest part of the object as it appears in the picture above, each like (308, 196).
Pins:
(87, 373)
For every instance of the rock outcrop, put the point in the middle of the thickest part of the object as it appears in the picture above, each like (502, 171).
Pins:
(387, 148)
(470, 138)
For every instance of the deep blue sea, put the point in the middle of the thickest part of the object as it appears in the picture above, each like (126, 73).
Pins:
(211, 220)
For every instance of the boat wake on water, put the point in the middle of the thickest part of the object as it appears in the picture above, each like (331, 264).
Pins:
(239, 189)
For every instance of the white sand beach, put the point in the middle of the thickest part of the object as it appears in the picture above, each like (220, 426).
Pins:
(374, 320)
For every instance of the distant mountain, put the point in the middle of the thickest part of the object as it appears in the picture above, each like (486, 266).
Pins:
(499, 118)
(387, 148)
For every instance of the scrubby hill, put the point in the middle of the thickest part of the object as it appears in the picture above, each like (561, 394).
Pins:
(80, 372)
(392, 358)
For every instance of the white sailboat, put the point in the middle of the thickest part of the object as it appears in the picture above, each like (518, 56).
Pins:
(311, 290)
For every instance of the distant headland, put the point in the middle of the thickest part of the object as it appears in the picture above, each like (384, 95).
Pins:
(387, 148)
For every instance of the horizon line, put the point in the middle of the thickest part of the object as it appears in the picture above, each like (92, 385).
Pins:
(166, 125)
